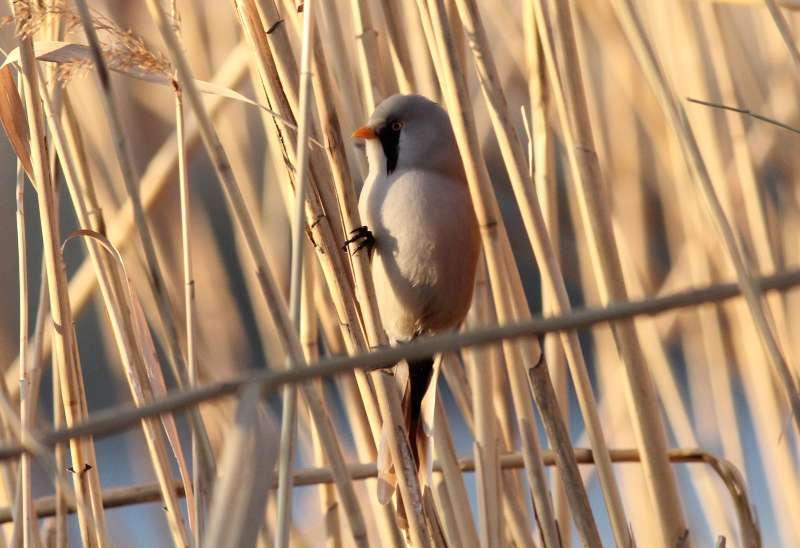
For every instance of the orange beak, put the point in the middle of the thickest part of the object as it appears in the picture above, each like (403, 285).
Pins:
(365, 132)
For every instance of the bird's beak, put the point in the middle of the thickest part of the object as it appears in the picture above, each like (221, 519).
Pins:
(365, 132)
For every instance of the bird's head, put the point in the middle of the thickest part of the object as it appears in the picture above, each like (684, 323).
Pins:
(410, 132)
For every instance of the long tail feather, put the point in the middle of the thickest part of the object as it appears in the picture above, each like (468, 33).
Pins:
(420, 373)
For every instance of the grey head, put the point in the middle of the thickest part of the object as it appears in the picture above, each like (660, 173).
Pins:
(411, 132)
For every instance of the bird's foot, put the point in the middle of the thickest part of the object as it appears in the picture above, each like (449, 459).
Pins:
(363, 237)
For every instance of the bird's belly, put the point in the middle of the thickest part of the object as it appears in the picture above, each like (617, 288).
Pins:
(425, 255)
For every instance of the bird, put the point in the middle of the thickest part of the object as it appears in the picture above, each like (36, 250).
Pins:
(422, 236)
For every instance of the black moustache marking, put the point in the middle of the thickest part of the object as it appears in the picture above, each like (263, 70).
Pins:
(390, 141)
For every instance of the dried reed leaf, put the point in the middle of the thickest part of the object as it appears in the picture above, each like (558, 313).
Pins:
(159, 388)
(72, 54)
(144, 388)
(12, 116)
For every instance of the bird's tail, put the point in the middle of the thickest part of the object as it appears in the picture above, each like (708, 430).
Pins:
(420, 373)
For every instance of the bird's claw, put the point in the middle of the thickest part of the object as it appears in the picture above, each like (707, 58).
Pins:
(363, 237)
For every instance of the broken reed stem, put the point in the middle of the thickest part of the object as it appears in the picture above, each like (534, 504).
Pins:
(87, 484)
(533, 219)
(591, 191)
(289, 414)
(267, 284)
(629, 19)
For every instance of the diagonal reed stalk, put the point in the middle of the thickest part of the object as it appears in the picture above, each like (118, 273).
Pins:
(125, 416)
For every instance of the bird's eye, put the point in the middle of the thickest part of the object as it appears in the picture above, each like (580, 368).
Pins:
(397, 126)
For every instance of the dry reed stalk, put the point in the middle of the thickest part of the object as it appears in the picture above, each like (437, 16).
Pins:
(785, 31)
(197, 511)
(445, 453)
(288, 416)
(128, 325)
(239, 501)
(361, 426)
(445, 510)
(492, 237)
(35, 448)
(542, 388)
(533, 218)
(572, 107)
(365, 290)
(541, 166)
(722, 383)
(87, 485)
(486, 444)
(770, 419)
(398, 46)
(505, 496)
(761, 317)
(727, 473)
(125, 416)
(25, 512)
(308, 338)
(270, 291)
(500, 405)
(669, 391)
(756, 225)
(373, 88)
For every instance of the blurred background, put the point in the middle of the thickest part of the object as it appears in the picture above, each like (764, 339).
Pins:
(713, 381)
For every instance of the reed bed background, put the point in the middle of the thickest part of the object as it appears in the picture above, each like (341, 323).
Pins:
(191, 358)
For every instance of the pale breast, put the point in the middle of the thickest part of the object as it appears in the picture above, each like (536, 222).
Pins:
(426, 251)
